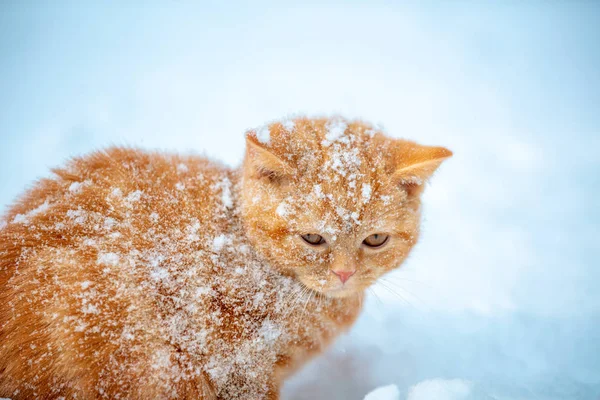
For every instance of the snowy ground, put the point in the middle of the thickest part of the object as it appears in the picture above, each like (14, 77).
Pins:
(500, 299)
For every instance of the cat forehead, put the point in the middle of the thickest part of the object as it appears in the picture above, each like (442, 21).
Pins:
(341, 198)
(335, 145)
(312, 131)
(339, 167)
(335, 209)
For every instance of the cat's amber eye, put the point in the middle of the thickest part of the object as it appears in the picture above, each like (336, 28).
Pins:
(376, 240)
(314, 239)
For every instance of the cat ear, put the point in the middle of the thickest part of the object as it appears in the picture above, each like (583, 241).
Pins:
(263, 161)
(414, 164)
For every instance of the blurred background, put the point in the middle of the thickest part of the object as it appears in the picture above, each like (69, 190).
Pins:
(500, 299)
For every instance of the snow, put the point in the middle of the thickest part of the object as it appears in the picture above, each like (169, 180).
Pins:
(503, 294)
(25, 218)
(224, 185)
(440, 389)
(318, 192)
(109, 223)
(366, 192)
(288, 125)
(90, 309)
(389, 392)
(219, 242)
(110, 259)
(154, 217)
(269, 332)
(282, 209)
(263, 134)
(79, 217)
(75, 187)
(335, 131)
(182, 168)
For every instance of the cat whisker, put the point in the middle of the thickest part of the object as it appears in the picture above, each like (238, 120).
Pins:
(303, 295)
(289, 296)
(296, 300)
(395, 285)
(375, 296)
(308, 299)
(398, 295)
(291, 301)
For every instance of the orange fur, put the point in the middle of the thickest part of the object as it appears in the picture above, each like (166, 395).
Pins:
(144, 275)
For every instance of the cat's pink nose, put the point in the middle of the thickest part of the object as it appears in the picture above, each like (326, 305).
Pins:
(343, 275)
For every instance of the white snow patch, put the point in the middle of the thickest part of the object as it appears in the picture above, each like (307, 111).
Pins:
(81, 326)
(90, 309)
(318, 191)
(225, 186)
(24, 218)
(344, 162)
(269, 332)
(389, 392)
(85, 284)
(134, 197)
(202, 291)
(159, 274)
(161, 359)
(75, 187)
(440, 389)
(219, 242)
(20, 219)
(78, 216)
(288, 125)
(110, 259)
(282, 209)
(240, 270)
(263, 134)
(182, 168)
(335, 130)
(127, 335)
(192, 231)
(116, 192)
(366, 192)
(109, 223)
(179, 186)
(375, 128)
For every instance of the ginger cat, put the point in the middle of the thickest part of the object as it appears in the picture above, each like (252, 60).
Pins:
(142, 275)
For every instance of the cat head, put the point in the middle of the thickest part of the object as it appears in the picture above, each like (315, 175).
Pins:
(334, 203)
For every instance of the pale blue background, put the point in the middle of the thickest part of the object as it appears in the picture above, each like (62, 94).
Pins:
(502, 292)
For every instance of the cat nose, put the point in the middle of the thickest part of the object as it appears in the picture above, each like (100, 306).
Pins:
(344, 275)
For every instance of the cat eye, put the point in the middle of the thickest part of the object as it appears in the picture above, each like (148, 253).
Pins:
(376, 240)
(314, 239)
